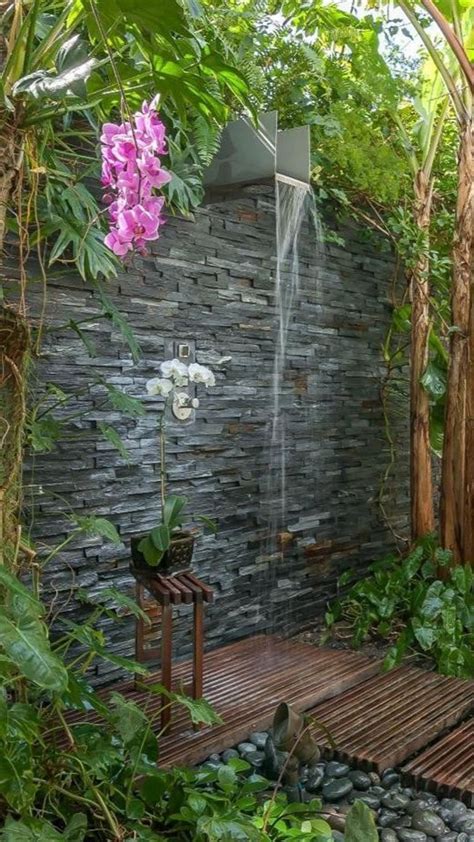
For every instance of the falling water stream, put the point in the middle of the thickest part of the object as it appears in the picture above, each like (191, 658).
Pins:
(291, 206)
(295, 208)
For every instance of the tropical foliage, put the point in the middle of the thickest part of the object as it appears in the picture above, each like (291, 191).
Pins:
(98, 778)
(404, 602)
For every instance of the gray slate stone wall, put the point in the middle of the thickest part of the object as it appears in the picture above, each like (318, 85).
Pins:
(210, 282)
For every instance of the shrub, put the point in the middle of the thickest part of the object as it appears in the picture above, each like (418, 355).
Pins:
(419, 602)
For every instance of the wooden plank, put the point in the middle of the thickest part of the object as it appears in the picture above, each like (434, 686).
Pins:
(186, 593)
(157, 590)
(207, 591)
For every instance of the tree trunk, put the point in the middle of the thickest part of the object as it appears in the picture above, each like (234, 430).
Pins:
(14, 346)
(466, 266)
(421, 486)
(7, 177)
(455, 503)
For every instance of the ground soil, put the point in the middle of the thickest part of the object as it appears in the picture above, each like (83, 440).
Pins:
(340, 637)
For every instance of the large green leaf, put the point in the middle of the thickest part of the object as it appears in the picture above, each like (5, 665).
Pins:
(26, 643)
(360, 824)
(425, 635)
(129, 719)
(151, 554)
(43, 84)
(14, 586)
(434, 381)
(160, 537)
(166, 17)
(172, 510)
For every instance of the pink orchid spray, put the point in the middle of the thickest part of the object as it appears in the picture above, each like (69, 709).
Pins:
(131, 175)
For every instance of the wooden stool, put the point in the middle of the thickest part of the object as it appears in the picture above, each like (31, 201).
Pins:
(168, 591)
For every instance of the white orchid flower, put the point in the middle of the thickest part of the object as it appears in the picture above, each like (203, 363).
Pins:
(159, 386)
(176, 371)
(201, 374)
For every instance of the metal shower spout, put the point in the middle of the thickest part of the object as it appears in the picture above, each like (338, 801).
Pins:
(250, 153)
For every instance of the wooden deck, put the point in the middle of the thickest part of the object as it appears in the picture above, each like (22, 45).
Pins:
(376, 720)
(390, 717)
(244, 682)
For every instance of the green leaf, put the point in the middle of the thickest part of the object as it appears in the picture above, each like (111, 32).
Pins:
(209, 524)
(130, 721)
(36, 830)
(124, 601)
(160, 538)
(43, 433)
(462, 578)
(360, 824)
(434, 381)
(166, 18)
(123, 402)
(395, 654)
(432, 603)
(94, 526)
(113, 437)
(199, 709)
(425, 635)
(173, 507)
(76, 828)
(26, 643)
(42, 84)
(14, 586)
(401, 318)
(119, 322)
(443, 557)
(23, 722)
(152, 555)
(226, 778)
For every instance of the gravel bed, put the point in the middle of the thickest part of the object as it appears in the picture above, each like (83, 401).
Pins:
(403, 814)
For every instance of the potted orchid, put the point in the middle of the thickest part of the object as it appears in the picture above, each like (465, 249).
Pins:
(168, 547)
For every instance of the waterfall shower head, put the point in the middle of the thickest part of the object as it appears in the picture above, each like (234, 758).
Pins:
(250, 153)
(294, 182)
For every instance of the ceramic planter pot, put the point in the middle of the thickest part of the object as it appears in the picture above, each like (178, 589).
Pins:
(176, 559)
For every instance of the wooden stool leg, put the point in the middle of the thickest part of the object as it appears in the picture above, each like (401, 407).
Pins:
(198, 647)
(166, 652)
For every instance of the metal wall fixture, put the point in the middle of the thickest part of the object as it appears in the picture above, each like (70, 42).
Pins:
(184, 401)
(250, 153)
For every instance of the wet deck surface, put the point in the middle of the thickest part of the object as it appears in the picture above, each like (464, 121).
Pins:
(391, 716)
(244, 682)
(447, 767)
(376, 720)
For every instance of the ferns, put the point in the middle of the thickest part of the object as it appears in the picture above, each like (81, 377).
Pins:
(206, 139)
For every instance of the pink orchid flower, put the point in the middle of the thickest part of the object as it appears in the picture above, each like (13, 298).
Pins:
(137, 223)
(114, 242)
(131, 173)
